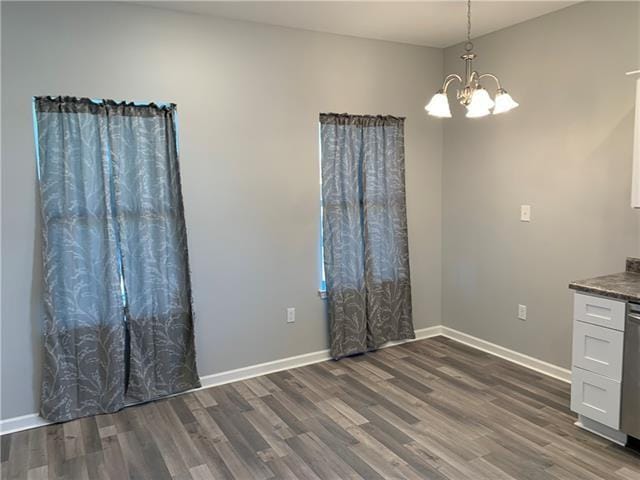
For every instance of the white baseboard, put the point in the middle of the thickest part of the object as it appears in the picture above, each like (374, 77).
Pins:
(34, 420)
(295, 362)
(264, 368)
(511, 355)
(24, 422)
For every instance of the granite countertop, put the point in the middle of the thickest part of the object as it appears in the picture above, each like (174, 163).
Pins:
(623, 286)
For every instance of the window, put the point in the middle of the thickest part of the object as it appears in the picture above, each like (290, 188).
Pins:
(116, 274)
(366, 239)
(322, 291)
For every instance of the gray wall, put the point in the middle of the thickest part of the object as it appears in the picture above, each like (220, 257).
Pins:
(567, 152)
(248, 101)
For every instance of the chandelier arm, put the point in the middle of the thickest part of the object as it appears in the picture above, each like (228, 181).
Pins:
(491, 75)
(450, 78)
(473, 79)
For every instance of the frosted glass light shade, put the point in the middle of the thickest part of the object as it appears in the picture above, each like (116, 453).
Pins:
(480, 100)
(504, 102)
(477, 112)
(438, 106)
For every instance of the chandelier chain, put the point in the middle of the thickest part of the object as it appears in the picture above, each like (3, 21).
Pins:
(468, 46)
(468, 21)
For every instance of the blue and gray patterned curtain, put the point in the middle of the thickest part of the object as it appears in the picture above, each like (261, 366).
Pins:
(118, 323)
(366, 252)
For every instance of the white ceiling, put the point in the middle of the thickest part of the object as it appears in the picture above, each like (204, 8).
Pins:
(430, 23)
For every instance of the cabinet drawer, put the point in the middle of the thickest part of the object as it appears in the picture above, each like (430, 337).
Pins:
(598, 349)
(599, 311)
(596, 397)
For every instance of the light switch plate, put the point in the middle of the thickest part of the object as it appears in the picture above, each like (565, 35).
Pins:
(522, 312)
(525, 213)
(291, 315)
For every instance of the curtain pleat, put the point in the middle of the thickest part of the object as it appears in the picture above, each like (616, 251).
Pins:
(365, 234)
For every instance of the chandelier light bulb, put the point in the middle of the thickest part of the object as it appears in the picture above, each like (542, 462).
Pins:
(438, 106)
(504, 102)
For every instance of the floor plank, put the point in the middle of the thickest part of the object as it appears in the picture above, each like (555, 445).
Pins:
(432, 409)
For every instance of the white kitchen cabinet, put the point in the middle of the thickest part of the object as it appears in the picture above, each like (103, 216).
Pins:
(596, 376)
(596, 397)
(598, 350)
(605, 312)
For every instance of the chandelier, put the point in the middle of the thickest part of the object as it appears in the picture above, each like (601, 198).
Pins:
(472, 94)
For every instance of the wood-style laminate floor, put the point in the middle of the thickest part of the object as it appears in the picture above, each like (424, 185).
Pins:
(430, 409)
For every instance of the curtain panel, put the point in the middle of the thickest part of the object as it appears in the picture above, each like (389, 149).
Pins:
(118, 323)
(365, 236)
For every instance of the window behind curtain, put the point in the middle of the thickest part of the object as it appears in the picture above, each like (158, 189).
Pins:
(323, 280)
(365, 231)
(115, 258)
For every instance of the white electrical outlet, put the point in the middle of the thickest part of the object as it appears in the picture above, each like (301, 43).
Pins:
(525, 213)
(522, 312)
(291, 315)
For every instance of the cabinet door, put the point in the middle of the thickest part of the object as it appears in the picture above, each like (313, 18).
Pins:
(599, 311)
(596, 397)
(598, 349)
(635, 179)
